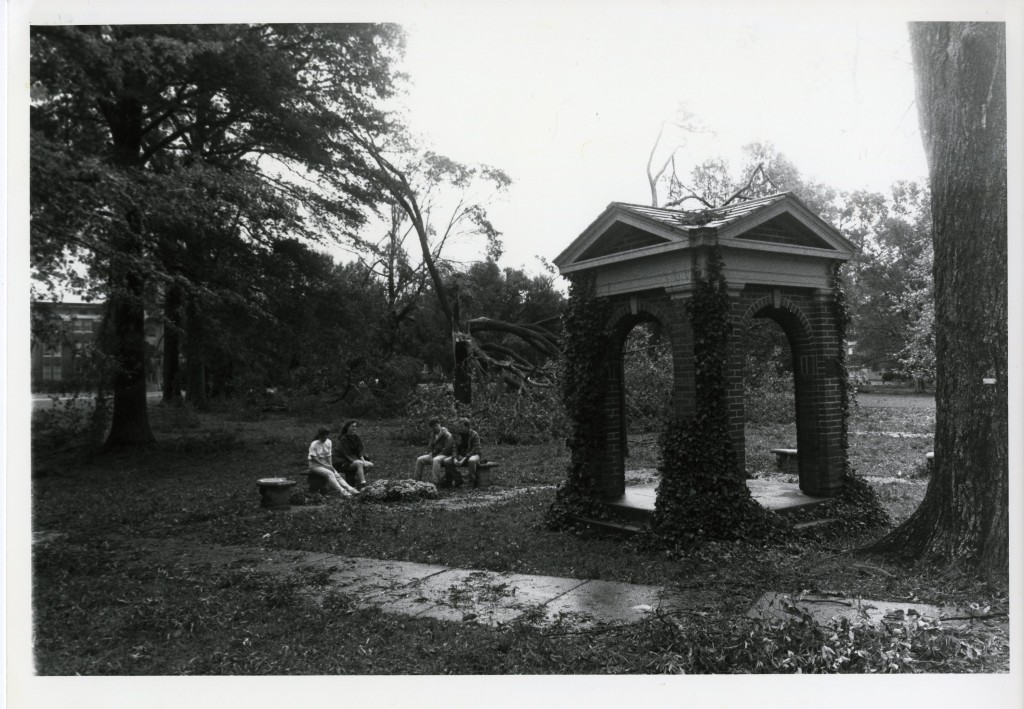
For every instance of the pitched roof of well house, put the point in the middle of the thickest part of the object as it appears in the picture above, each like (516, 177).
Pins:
(631, 230)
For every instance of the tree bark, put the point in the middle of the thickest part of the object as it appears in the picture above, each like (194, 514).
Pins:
(961, 94)
(195, 364)
(130, 423)
(172, 345)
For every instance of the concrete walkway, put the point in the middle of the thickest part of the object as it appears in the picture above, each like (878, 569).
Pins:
(429, 591)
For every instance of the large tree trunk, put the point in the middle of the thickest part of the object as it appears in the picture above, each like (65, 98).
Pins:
(172, 345)
(195, 345)
(130, 424)
(961, 91)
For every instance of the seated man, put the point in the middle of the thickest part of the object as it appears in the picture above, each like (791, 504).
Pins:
(439, 447)
(465, 452)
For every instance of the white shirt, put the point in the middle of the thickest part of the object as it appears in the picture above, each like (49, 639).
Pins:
(320, 452)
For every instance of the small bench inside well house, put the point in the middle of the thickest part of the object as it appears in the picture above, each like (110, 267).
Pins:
(786, 461)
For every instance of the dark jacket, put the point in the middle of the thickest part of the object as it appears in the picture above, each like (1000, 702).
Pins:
(466, 444)
(350, 447)
(441, 443)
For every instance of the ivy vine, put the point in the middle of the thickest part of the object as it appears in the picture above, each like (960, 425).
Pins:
(584, 359)
(702, 494)
(841, 317)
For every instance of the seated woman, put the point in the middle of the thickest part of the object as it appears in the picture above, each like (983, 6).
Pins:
(321, 463)
(350, 448)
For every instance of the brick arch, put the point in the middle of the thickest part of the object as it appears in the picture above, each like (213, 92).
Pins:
(809, 324)
(795, 314)
(623, 319)
(625, 315)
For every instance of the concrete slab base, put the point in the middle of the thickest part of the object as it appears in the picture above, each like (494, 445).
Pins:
(780, 497)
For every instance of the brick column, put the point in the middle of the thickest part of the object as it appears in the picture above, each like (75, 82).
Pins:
(739, 300)
(825, 461)
(611, 480)
(684, 392)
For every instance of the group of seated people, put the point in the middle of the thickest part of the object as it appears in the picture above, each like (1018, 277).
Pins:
(350, 450)
(446, 453)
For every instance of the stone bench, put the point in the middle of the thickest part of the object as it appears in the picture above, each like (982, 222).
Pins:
(786, 460)
(483, 472)
(317, 483)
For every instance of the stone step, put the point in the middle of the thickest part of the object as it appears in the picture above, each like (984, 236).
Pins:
(628, 513)
(813, 523)
(610, 526)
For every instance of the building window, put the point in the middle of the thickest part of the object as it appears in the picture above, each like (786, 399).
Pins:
(52, 371)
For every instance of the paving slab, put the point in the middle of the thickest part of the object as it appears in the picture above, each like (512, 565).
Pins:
(434, 591)
(457, 595)
(609, 602)
(375, 582)
(823, 609)
(485, 597)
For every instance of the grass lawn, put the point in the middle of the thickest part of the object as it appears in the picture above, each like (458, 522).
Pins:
(104, 613)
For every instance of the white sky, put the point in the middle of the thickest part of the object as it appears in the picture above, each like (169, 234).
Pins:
(569, 101)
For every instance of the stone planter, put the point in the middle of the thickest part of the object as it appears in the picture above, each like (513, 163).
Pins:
(274, 492)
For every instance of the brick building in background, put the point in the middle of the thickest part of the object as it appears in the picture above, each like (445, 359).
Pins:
(63, 340)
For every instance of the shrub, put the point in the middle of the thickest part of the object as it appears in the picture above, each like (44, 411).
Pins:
(908, 643)
(499, 415)
(889, 376)
(398, 491)
(527, 416)
(648, 376)
(427, 401)
(768, 392)
(72, 422)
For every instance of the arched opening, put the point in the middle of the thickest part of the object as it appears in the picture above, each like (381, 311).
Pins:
(779, 416)
(647, 386)
(643, 389)
(769, 399)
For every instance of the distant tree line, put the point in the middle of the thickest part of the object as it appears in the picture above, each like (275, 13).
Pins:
(197, 172)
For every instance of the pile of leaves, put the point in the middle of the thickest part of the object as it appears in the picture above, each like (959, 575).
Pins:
(854, 510)
(906, 644)
(398, 491)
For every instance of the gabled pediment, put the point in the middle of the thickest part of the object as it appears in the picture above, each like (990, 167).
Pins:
(785, 229)
(619, 238)
(777, 223)
(621, 229)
